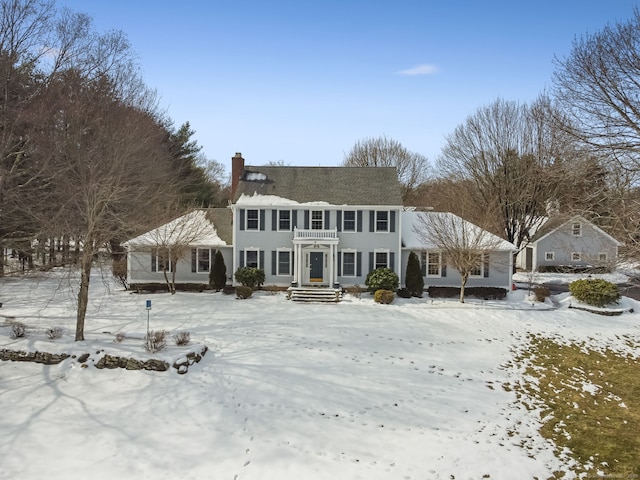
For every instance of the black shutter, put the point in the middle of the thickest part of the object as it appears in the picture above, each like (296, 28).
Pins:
(371, 263)
(153, 261)
(241, 258)
(392, 260)
(359, 221)
(339, 264)
(294, 219)
(327, 219)
(486, 265)
(274, 220)
(274, 260)
(359, 264)
(261, 264)
(424, 258)
(372, 221)
(392, 221)
(194, 260)
(444, 267)
(262, 218)
(242, 219)
(339, 222)
(306, 219)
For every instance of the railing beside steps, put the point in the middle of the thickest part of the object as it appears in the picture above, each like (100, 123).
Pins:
(315, 294)
(300, 233)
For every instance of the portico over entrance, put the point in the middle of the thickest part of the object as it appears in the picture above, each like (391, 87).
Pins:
(315, 258)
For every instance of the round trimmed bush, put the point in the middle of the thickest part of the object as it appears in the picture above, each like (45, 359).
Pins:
(382, 279)
(250, 276)
(243, 292)
(383, 296)
(596, 292)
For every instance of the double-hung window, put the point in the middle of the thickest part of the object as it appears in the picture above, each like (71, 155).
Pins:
(251, 258)
(576, 229)
(433, 264)
(253, 219)
(576, 257)
(284, 220)
(348, 263)
(203, 260)
(477, 270)
(349, 221)
(381, 259)
(549, 256)
(382, 221)
(317, 219)
(283, 262)
(160, 260)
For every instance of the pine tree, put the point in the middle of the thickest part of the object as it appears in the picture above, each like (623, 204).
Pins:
(414, 281)
(218, 274)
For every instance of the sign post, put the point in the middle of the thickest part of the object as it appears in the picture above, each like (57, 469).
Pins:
(148, 310)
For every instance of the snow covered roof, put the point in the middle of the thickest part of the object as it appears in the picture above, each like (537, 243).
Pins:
(412, 240)
(195, 228)
(553, 224)
(327, 185)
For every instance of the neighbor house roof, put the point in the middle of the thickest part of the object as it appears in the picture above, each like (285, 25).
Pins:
(412, 224)
(333, 185)
(202, 227)
(553, 224)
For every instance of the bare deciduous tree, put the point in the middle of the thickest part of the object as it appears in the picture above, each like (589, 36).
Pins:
(506, 151)
(413, 168)
(462, 244)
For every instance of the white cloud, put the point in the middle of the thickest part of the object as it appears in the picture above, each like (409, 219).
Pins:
(424, 69)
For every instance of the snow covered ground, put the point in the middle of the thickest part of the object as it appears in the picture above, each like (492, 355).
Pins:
(353, 390)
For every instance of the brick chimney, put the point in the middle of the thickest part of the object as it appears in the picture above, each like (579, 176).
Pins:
(237, 167)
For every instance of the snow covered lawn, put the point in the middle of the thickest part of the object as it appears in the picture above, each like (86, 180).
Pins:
(355, 390)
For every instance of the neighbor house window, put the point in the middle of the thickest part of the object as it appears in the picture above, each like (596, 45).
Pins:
(381, 259)
(602, 257)
(349, 263)
(253, 220)
(284, 219)
(549, 256)
(251, 258)
(349, 221)
(576, 257)
(204, 260)
(317, 222)
(382, 221)
(576, 229)
(284, 262)
(160, 260)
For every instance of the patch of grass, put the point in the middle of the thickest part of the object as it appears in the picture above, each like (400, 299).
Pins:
(590, 403)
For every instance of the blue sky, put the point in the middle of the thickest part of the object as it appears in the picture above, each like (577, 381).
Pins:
(301, 81)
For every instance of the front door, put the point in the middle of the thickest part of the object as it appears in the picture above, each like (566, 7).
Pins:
(316, 267)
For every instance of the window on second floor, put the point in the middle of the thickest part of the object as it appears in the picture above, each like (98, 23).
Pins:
(284, 219)
(349, 221)
(253, 219)
(317, 220)
(382, 221)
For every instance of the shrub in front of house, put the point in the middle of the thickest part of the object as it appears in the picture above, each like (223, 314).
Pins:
(228, 290)
(384, 296)
(218, 274)
(242, 292)
(595, 291)
(541, 293)
(403, 293)
(382, 279)
(250, 276)
(414, 281)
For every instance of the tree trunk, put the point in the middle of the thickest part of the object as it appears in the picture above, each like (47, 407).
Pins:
(462, 285)
(83, 294)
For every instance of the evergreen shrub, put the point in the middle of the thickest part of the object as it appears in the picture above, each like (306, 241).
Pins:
(243, 291)
(594, 291)
(250, 276)
(218, 273)
(384, 296)
(414, 280)
(382, 279)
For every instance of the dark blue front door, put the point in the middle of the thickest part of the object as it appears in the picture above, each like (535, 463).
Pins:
(316, 264)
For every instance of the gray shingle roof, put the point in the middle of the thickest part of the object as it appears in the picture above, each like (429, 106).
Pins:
(221, 219)
(334, 185)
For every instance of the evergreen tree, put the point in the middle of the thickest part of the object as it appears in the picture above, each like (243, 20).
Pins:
(414, 280)
(218, 274)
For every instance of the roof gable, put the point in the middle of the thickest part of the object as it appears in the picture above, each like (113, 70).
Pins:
(556, 223)
(333, 185)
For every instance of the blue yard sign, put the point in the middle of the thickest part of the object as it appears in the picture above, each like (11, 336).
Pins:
(148, 304)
